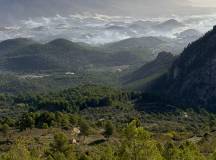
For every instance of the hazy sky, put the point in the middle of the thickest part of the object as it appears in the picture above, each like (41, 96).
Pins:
(13, 10)
(204, 3)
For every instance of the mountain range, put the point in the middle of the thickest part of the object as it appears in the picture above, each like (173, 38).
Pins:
(97, 29)
(187, 79)
(25, 55)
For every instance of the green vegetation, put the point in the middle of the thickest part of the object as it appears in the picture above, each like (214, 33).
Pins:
(72, 100)
(61, 55)
(142, 78)
(101, 123)
(28, 66)
(131, 142)
(109, 129)
(37, 83)
(56, 114)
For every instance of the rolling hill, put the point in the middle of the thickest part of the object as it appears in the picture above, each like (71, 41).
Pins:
(11, 45)
(25, 55)
(144, 48)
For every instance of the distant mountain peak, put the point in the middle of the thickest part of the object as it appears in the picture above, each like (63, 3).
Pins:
(60, 41)
(169, 25)
(172, 21)
(64, 44)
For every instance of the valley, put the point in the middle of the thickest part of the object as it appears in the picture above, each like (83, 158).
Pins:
(80, 85)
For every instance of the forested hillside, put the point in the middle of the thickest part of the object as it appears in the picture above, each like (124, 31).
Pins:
(26, 56)
(191, 80)
(96, 122)
(142, 78)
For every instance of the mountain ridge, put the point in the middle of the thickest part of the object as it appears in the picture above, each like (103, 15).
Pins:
(142, 77)
(65, 55)
(191, 81)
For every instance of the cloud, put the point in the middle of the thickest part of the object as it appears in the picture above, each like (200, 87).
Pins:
(99, 29)
(203, 3)
(11, 10)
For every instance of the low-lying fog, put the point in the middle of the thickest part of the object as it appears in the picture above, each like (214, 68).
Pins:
(99, 29)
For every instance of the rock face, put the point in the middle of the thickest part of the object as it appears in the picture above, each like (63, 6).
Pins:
(192, 78)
